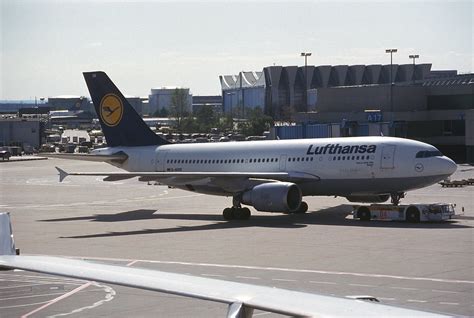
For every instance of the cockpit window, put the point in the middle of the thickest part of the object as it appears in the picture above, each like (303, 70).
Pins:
(428, 154)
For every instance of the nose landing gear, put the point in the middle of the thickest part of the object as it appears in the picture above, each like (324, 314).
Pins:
(396, 197)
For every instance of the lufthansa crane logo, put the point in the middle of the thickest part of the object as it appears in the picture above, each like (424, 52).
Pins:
(111, 110)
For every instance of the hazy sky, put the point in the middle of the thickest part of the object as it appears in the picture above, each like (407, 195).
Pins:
(46, 45)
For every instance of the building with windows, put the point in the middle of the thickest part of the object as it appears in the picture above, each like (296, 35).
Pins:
(160, 98)
(243, 91)
(359, 100)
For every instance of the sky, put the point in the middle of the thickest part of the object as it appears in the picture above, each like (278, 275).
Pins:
(45, 45)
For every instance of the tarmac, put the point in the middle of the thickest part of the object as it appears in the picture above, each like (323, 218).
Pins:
(426, 266)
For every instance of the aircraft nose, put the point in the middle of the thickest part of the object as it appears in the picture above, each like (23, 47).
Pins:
(449, 166)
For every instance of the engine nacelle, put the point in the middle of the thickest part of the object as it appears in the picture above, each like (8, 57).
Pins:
(274, 197)
(368, 198)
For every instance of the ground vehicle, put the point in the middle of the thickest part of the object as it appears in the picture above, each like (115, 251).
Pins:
(5, 153)
(411, 212)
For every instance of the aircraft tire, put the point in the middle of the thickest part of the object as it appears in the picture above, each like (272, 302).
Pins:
(241, 213)
(363, 213)
(303, 208)
(246, 213)
(413, 215)
(228, 214)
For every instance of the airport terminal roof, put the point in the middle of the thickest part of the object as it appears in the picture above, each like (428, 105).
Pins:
(462, 79)
(249, 79)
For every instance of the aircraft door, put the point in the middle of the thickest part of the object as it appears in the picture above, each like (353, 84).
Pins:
(388, 157)
(161, 160)
(283, 162)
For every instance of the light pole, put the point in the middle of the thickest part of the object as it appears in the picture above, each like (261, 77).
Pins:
(306, 54)
(242, 98)
(391, 51)
(413, 56)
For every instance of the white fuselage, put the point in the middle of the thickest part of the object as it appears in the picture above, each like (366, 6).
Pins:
(345, 166)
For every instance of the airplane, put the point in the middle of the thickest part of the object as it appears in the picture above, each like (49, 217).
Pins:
(271, 176)
(242, 299)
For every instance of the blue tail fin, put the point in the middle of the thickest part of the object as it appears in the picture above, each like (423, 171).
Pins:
(121, 124)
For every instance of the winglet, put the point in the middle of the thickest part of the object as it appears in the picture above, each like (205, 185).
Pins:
(7, 244)
(62, 174)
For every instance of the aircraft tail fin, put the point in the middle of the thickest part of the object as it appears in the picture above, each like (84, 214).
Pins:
(121, 124)
(7, 244)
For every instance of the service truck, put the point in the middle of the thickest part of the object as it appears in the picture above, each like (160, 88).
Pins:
(411, 212)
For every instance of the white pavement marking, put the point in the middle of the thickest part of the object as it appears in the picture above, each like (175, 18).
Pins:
(41, 282)
(385, 298)
(31, 296)
(445, 291)
(131, 263)
(446, 303)
(110, 293)
(416, 301)
(328, 283)
(130, 200)
(281, 269)
(212, 275)
(404, 288)
(28, 285)
(362, 285)
(53, 301)
(25, 305)
(247, 277)
(284, 280)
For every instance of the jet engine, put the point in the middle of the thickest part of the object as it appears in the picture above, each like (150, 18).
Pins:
(376, 198)
(274, 197)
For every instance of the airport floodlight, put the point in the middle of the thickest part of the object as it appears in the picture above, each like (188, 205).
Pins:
(305, 55)
(391, 51)
(413, 56)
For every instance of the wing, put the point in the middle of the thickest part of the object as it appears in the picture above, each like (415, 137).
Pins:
(230, 181)
(242, 298)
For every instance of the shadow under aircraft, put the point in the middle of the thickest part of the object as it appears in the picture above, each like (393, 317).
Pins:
(333, 216)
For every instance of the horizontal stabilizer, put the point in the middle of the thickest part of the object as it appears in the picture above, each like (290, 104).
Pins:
(119, 157)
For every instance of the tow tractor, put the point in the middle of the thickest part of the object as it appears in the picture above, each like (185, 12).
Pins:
(413, 213)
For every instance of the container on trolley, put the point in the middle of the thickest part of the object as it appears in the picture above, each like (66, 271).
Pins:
(411, 212)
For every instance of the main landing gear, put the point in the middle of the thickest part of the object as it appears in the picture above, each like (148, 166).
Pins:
(396, 197)
(303, 208)
(236, 212)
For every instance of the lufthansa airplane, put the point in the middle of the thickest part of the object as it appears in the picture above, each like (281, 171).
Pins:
(271, 176)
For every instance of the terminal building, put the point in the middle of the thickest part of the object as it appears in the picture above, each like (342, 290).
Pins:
(160, 99)
(359, 100)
